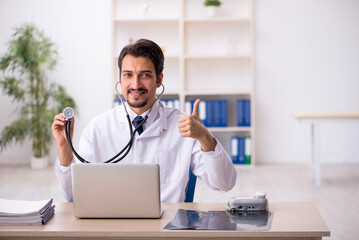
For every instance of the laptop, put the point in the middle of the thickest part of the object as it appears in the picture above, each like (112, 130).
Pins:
(116, 190)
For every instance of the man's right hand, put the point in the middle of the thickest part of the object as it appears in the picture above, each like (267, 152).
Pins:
(58, 131)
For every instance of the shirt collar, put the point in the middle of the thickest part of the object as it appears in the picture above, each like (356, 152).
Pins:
(152, 116)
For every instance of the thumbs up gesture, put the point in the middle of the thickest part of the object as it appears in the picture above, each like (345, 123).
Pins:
(191, 126)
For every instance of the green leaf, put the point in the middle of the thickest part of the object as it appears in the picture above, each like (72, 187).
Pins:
(12, 87)
(15, 132)
(212, 3)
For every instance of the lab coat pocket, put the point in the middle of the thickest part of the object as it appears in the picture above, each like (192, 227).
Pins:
(170, 166)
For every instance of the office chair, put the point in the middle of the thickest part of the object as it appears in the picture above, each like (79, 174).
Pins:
(191, 185)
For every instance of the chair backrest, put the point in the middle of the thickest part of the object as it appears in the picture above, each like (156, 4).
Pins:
(191, 185)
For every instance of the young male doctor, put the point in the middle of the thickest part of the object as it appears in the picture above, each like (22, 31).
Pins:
(170, 138)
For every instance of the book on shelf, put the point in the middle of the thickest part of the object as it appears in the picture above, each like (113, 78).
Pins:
(116, 102)
(213, 113)
(20, 212)
(241, 150)
(173, 103)
(234, 150)
(188, 107)
(247, 150)
(209, 121)
(243, 113)
(223, 113)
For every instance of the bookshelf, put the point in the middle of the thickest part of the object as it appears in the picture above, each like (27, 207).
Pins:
(207, 58)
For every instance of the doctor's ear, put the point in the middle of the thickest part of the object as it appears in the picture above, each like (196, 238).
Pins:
(159, 80)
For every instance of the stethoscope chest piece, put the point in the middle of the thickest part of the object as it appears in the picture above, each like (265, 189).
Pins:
(69, 113)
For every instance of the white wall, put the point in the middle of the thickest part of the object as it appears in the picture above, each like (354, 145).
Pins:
(82, 31)
(307, 56)
(307, 59)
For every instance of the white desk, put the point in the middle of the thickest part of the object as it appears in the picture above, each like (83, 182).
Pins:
(291, 220)
(315, 118)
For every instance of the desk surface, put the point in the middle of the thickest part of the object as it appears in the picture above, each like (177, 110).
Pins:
(326, 115)
(290, 221)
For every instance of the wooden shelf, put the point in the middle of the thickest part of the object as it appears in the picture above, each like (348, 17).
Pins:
(229, 129)
(167, 57)
(208, 58)
(141, 20)
(217, 56)
(217, 93)
(217, 20)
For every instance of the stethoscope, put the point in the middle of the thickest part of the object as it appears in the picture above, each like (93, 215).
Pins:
(69, 114)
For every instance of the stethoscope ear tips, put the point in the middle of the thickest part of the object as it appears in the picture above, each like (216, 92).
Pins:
(69, 113)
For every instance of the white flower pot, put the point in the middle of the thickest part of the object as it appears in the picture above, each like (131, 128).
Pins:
(211, 11)
(39, 163)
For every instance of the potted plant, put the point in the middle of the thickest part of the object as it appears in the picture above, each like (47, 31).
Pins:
(24, 68)
(212, 6)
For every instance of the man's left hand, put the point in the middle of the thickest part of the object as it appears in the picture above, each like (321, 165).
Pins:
(191, 126)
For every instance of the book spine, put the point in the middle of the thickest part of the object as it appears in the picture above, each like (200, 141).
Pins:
(240, 112)
(188, 107)
(202, 111)
(210, 115)
(241, 149)
(170, 103)
(247, 150)
(234, 150)
(177, 103)
(247, 112)
(217, 113)
(224, 113)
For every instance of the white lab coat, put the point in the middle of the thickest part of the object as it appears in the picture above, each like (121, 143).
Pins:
(160, 143)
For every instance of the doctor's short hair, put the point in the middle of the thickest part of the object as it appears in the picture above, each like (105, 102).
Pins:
(144, 48)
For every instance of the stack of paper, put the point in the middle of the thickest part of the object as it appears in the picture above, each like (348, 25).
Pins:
(17, 212)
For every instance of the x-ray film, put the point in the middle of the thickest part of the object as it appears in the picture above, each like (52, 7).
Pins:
(221, 220)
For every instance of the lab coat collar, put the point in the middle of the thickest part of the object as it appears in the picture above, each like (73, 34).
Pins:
(156, 122)
(151, 116)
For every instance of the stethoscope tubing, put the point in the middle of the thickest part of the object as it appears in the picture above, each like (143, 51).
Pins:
(113, 159)
(127, 148)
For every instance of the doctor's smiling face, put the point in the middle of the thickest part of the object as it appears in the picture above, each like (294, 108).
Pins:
(139, 82)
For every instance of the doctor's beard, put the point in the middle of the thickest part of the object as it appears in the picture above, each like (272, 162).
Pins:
(137, 104)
